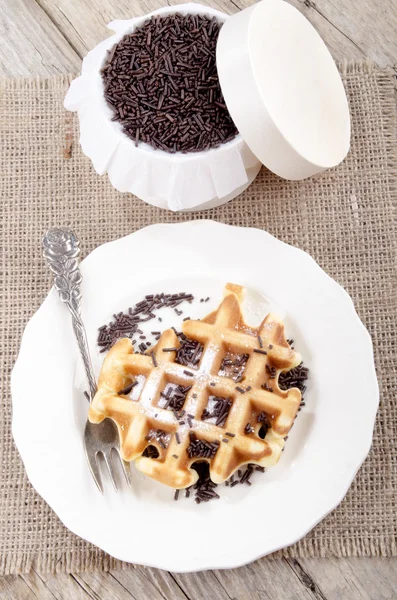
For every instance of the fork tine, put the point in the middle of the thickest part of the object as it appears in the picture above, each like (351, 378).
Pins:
(126, 470)
(108, 460)
(92, 459)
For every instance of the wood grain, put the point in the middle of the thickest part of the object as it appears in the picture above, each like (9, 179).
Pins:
(353, 578)
(84, 22)
(31, 44)
(354, 30)
(266, 579)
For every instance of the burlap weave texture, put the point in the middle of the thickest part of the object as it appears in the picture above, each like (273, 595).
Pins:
(344, 218)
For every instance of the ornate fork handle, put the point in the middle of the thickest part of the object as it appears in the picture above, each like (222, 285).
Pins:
(62, 251)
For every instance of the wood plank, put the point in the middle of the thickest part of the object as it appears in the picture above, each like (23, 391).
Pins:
(266, 578)
(263, 579)
(353, 30)
(354, 578)
(62, 585)
(43, 587)
(102, 585)
(31, 44)
(357, 29)
(149, 584)
(83, 22)
(13, 587)
(202, 585)
(314, 579)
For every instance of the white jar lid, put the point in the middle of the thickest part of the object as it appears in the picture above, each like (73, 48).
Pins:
(283, 90)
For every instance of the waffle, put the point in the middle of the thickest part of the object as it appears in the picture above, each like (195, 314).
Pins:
(254, 405)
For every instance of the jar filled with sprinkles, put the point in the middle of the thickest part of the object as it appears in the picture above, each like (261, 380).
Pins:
(162, 84)
(182, 107)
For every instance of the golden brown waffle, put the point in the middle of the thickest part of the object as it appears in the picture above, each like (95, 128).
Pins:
(187, 435)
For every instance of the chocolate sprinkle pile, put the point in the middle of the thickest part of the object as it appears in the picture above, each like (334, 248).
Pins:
(201, 448)
(189, 352)
(126, 324)
(294, 378)
(233, 366)
(162, 84)
(204, 488)
(175, 397)
(220, 410)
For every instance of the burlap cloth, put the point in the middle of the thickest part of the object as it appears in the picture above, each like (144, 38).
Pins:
(344, 218)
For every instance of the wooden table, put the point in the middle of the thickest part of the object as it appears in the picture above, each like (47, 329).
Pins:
(46, 37)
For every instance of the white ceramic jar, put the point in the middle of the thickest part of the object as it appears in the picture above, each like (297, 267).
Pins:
(281, 87)
(175, 181)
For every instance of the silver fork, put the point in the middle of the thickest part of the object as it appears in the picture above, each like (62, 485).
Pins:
(62, 252)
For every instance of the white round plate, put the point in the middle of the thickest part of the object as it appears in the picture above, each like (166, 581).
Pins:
(329, 441)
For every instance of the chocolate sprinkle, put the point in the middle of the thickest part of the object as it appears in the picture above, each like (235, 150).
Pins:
(125, 391)
(260, 351)
(245, 478)
(267, 387)
(271, 371)
(261, 417)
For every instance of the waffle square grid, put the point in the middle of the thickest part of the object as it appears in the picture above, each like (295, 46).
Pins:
(229, 446)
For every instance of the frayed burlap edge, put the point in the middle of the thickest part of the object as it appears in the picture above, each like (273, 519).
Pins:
(92, 560)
